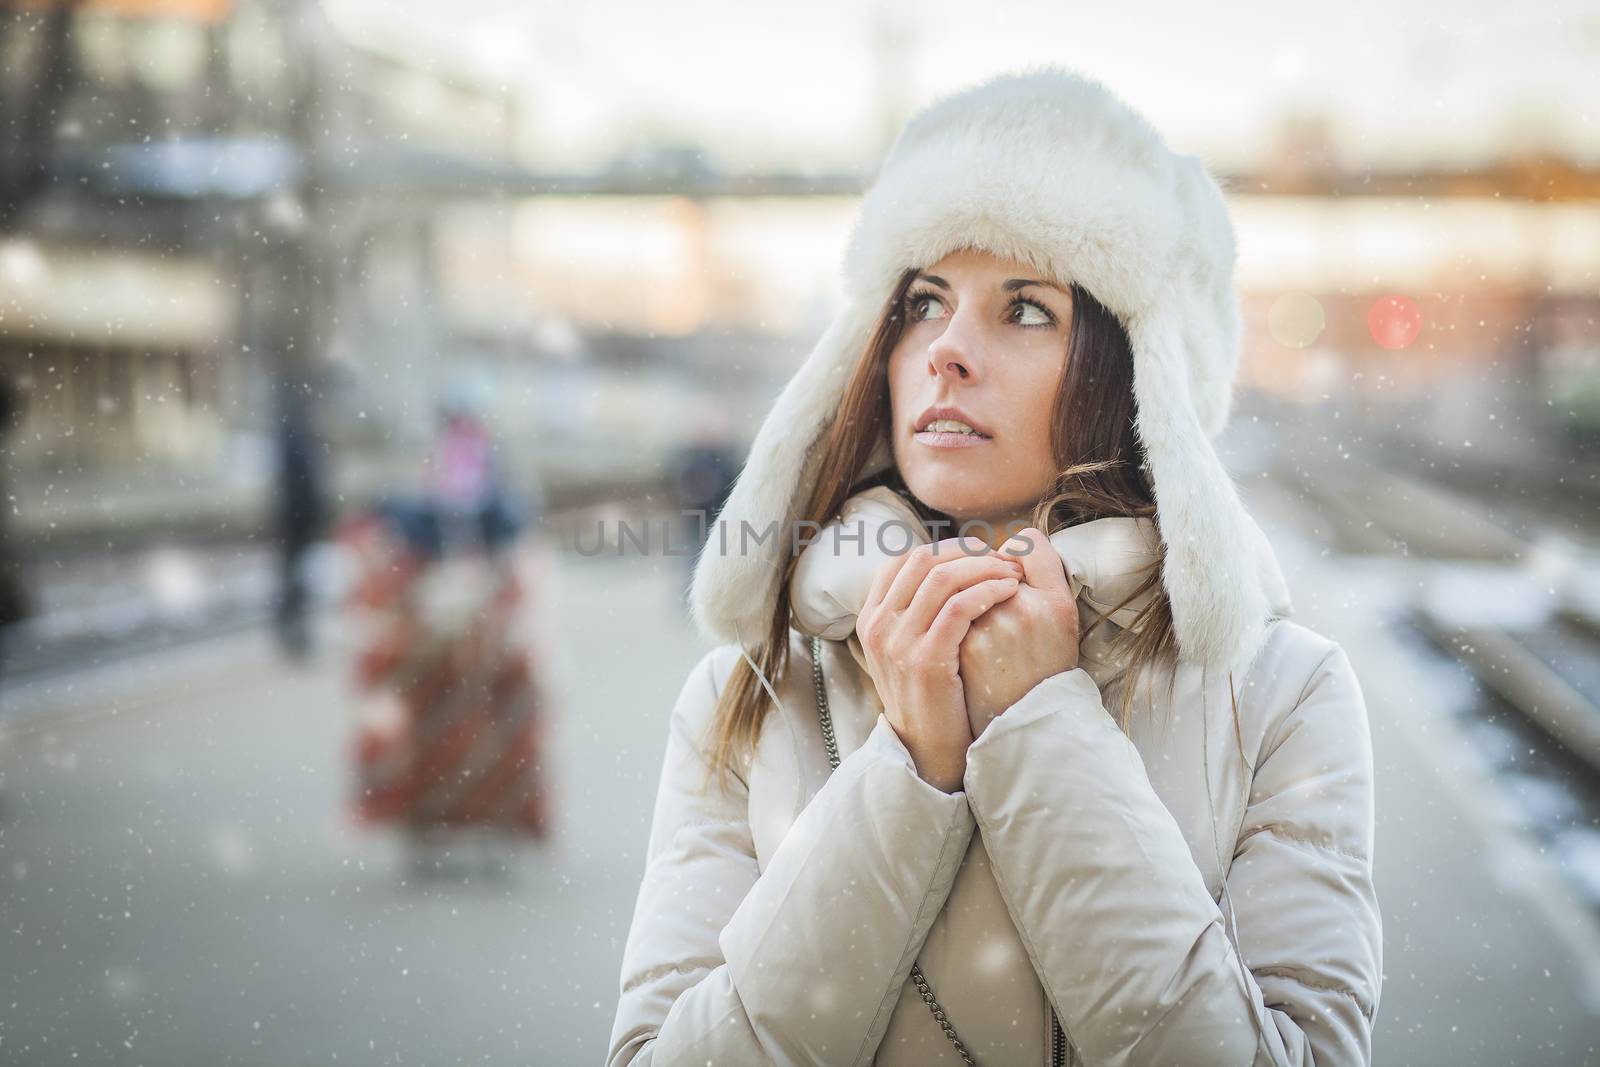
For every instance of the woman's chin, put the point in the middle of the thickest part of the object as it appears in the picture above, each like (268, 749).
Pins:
(953, 497)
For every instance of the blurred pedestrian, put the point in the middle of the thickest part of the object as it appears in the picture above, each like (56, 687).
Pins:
(703, 476)
(16, 604)
(301, 514)
(467, 484)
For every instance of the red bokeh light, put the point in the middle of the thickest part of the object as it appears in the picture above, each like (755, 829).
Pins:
(1394, 321)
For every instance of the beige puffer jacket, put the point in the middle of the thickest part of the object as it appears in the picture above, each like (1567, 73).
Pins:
(1079, 873)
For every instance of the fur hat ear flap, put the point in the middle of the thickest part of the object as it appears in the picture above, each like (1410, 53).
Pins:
(1219, 606)
(735, 587)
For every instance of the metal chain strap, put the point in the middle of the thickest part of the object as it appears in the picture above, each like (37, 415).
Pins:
(832, 745)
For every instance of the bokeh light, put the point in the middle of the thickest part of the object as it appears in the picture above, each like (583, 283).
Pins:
(1394, 321)
(1296, 320)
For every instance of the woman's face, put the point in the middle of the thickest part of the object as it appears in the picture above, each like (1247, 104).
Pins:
(986, 336)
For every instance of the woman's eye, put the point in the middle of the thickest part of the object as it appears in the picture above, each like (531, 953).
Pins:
(1040, 317)
(916, 304)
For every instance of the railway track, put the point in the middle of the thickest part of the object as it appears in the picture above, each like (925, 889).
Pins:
(1560, 492)
(1542, 655)
(1516, 610)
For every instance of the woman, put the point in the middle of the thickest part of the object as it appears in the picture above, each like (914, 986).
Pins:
(1048, 838)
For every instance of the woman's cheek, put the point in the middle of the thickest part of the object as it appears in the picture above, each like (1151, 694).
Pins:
(1034, 411)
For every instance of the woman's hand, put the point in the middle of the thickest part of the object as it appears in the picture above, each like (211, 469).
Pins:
(917, 612)
(1022, 640)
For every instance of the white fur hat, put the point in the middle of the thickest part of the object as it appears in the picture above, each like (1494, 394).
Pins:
(1047, 167)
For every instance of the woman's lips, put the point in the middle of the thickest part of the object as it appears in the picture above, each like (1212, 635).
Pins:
(936, 439)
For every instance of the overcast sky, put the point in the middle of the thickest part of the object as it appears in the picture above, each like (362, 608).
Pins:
(805, 83)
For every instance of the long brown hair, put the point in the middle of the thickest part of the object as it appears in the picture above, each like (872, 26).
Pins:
(1102, 467)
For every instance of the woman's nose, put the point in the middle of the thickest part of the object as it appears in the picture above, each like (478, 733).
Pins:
(951, 354)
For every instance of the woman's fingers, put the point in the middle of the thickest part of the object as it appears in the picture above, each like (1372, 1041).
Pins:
(1041, 563)
(949, 578)
(955, 618)
(922, 559)
(908, 576)
(882, 577)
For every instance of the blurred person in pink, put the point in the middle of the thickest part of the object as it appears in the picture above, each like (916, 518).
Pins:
(450, 740)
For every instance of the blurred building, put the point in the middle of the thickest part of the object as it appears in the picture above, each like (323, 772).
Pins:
(198, 199)
(1455, 307)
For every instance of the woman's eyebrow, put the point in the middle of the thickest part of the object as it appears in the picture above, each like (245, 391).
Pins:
(1019, 283)
(1009, 286)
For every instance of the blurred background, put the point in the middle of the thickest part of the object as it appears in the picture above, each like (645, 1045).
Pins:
(330, 333)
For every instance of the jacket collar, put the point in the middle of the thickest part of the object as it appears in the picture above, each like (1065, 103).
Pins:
(1105, 560)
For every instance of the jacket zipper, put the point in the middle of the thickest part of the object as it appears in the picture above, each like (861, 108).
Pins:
(1058, 1040)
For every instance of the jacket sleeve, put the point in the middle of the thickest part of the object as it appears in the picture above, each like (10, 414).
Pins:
(803, 962)
(1116, 915)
